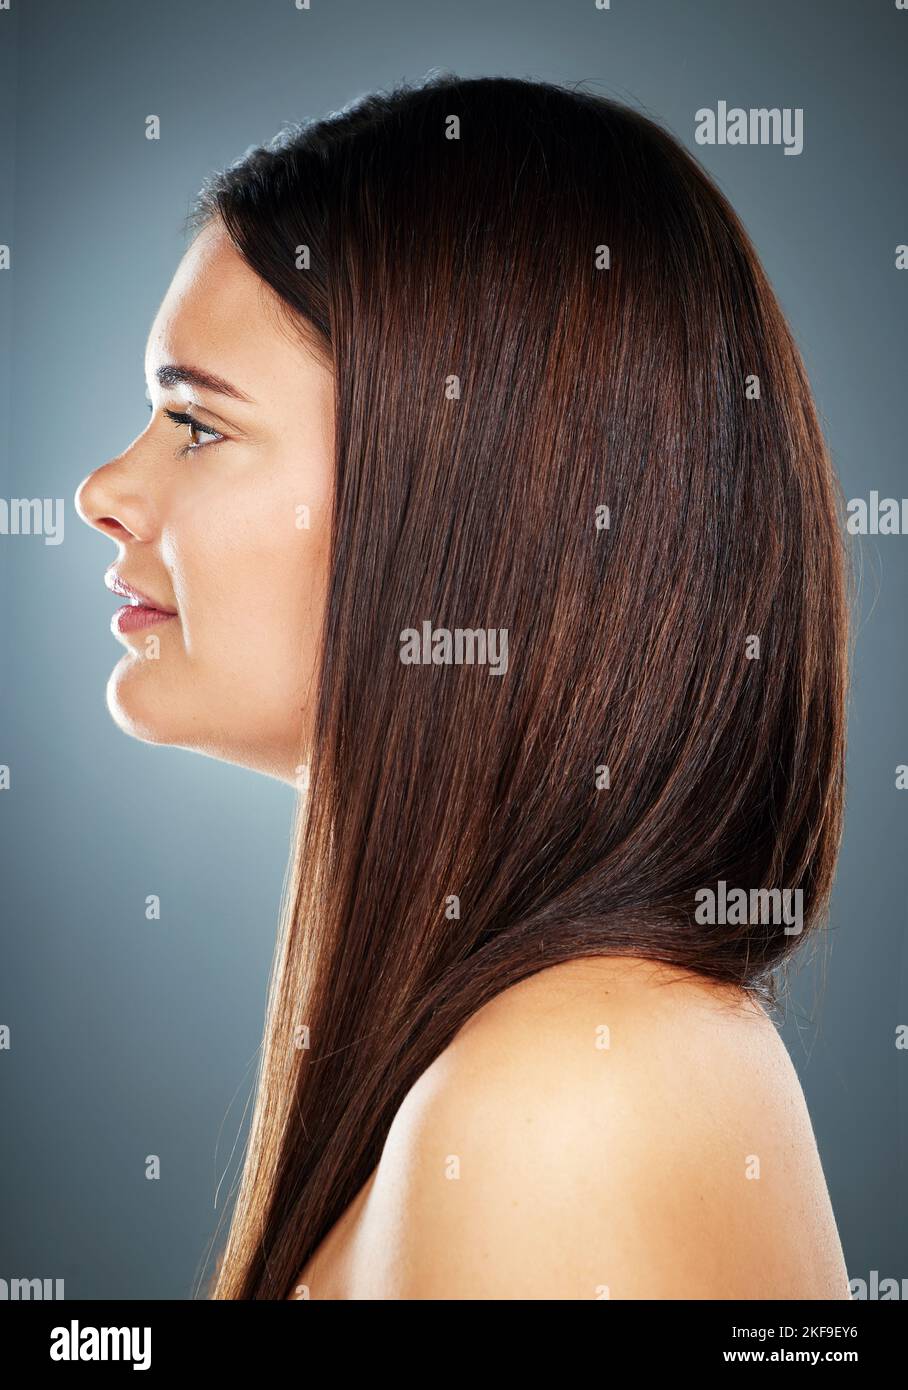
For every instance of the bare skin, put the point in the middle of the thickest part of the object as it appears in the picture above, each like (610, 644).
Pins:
(530, 1161)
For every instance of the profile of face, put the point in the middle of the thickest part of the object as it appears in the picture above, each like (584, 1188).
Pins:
(222, 522)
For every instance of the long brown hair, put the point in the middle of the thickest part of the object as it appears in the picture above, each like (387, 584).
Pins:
(535, 312)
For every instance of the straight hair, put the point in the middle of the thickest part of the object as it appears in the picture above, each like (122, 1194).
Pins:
(568, 406)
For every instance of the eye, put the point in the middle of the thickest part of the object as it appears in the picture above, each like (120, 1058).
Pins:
(183, 420)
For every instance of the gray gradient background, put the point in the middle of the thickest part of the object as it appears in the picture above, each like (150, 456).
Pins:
(132, 1037)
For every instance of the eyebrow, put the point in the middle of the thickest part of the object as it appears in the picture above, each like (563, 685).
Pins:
(173, 374)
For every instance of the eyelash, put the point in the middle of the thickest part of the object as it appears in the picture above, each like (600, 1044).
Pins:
(182, 420)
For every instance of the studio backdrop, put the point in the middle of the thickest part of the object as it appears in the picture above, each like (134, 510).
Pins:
(141, 885)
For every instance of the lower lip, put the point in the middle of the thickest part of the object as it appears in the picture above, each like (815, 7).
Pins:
(134, 616)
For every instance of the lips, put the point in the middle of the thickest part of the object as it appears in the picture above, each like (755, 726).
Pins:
(142, 610)
(117, 585)
(133, 617)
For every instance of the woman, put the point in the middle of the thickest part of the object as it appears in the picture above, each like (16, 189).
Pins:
(497, 519)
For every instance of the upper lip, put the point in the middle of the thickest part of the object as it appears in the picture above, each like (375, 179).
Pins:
(117, 584)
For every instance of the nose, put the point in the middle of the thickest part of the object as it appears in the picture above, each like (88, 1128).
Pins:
(102, 501)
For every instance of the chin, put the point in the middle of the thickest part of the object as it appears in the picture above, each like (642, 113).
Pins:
(152, 712)
(131, 705)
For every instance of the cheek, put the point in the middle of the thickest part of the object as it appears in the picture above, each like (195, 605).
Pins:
(250, 581)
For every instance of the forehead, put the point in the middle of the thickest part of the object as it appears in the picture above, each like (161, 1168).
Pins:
(218, 314)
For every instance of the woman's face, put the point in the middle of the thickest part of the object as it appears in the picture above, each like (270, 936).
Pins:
(230, 538)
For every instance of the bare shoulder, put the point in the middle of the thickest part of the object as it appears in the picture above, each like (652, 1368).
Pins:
(606, 1128)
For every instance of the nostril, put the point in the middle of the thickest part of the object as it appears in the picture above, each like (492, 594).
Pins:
(110, 523)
